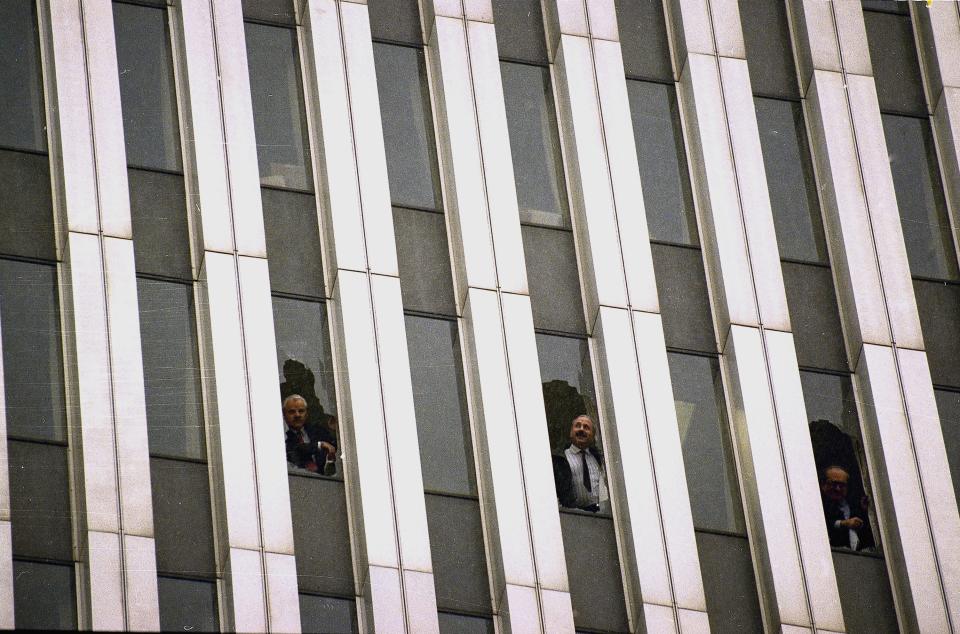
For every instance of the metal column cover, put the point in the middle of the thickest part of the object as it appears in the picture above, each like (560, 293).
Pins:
(650, 498)
(104, 373)
(791, 554)
(917, 512)
(392, 566)
(249, 486)
(523, 540)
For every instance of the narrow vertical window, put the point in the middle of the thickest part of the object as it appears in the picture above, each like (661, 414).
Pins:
(21, 100)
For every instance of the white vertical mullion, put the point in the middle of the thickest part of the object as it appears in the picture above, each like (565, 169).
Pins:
(6, 536)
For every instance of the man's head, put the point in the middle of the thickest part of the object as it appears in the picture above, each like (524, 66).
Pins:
(295, 412)
(833, 485)
(582, 432)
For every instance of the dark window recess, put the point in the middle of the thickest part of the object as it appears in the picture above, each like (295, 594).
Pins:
(938, 304)
(426, 282)
(814, 316)
(948, 406)
(705, 440)
(894, 59)
(596, 585)
(535, 145)
(44, 596)
(790, 180)
(520, 33)
(26, 207)
(32, 356)
(171, 369)
(158, 210)
(395, 21)
(40, 501)
(667, 198)
(182, 518)
(293, 242)
(923, 210)
(887, 6)
(21, 100)
(728, 583)
(766, 35)
(276, 11)
(407, 126)
(318, 507)
(278, 115)
(684, 302)
(463, 624)
(187, 605)
(459, 562)
(327, 615)
(147, 90)
(643, 39)
(553, 279)
(865, 596)
(443, 426)
(835, 435)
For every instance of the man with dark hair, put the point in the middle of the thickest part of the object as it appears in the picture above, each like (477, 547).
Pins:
(310, 447)
(847, 527)
(578, 472)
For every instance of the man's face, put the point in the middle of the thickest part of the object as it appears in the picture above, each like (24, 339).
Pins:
(295, 414)
(834, 485)
(581, 432)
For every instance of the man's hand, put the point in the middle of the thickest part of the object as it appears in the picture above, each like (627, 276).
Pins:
(854, 523)
(330, 449)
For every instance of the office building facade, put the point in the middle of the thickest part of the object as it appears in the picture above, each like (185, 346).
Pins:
(724, 230)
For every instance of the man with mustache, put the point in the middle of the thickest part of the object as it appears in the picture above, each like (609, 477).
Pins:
(578, 472)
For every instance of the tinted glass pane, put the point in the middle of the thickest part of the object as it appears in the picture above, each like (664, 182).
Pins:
(21, 100)
(32, 360)
(318, 507)
(443, 426)
(395, 21)
(948, 406)
(865, 595)
(171, 371)
(553, 279)
(40, 501)
(462, 624)
(567, 384)
(923, 212)
(187, 605)
(327, 615)
(293, 242)
(407, 126)
(520, 30)
(279, 11)
(147, 92)
(534, 144)
(593, 569)
(729, 584)
(44, 597)
(705, 437)
(643, 39)
(766, 34)
(423, 257)
(893, 56)
(158, 209)
(663, 166)
(278, 115)
(182, 517)
(456, 548)
(303, 355)
(793, 195)
(815, 317)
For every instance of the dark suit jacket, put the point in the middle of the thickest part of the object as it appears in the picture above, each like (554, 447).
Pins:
(840, 537)
(303, 454)
(563, 479)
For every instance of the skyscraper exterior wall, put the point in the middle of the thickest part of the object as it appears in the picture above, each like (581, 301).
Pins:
(724, 231)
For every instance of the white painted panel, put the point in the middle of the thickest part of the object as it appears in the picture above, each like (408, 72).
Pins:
(232, 425)
(945, 28)
(480, 10)
(852, 35)
(283, 605)
(495, 145)
(725, 19)
(523, 610)
(659, 619)
(386, 597)
(129, 408)
(603, 20)
(241, 144)
(268, 439)
(625, 177)
(247, 589)
(366, 418)
(4, 473)
(87, 317)
(421, 601)
(401, 423)
(693, 622)
(689, 20)
(140, 578)
(368, 139)
(6, 574)
(106, 581)
(557, 611)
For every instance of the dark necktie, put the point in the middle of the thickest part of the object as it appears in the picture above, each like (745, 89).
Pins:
(586, 470)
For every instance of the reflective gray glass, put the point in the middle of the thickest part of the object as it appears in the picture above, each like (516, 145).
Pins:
(462, 624)
(182, 517)
(327, 615)
(318, 508)
(923, 211)
(443, 426)
(456, 549)
(568, 388)
(278, 115)
(303, 356)
(865, 596)
(423, 257)
(793, 194)
(643, 39)
(26, 206)
(534, 144)
(407, 126)
(663, 166)
(948, 406)
(553, 279)
(896, 70)
(520, 33)
(395, 21)
(684, 300)
(814, 316)
(275, 11)
(40, 501)
(171, 369)
(705, 438)
(187, 605)
(147, 91)
(32, 358)
(21, 100)
(44, 596)
(729, 583)
(939, 307)
(593, 570)
(888, 6)
(293, 242)
(161, 232)
(766, 35)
